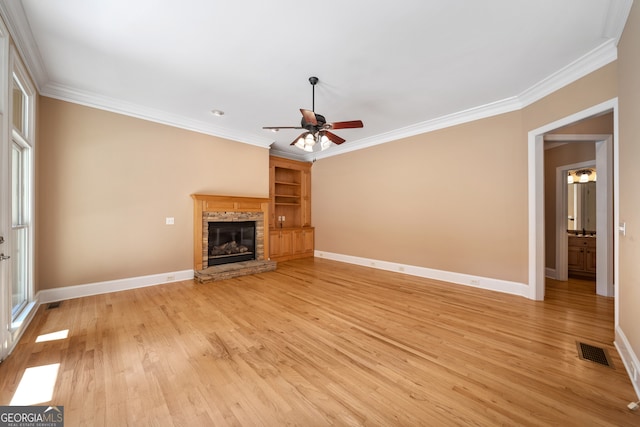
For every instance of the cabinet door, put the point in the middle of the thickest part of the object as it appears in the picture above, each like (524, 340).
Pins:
(274, 244)
(308, 240)
(286, 242)
(303, 241)
(590, 260)
(575, 258)
(280, 243)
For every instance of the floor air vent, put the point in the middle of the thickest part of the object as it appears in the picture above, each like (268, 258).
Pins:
(594, 354)
(54, 305)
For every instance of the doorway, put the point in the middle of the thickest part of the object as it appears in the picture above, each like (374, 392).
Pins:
(603, 209)
(609, 151)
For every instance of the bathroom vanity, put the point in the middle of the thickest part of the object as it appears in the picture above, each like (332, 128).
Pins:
(582, 256)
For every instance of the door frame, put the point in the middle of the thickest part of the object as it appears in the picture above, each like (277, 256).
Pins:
(6, 338)
(535, 147)
(604, 209)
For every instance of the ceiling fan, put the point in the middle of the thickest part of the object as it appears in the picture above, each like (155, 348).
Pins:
(317, 128)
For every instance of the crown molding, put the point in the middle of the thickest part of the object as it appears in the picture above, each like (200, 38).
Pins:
(476, 113)
(617, 16)
(597, 58)
(16, 21)
(65, 93)
(18, 25)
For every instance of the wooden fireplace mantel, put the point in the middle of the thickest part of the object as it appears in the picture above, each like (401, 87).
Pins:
(203, 203)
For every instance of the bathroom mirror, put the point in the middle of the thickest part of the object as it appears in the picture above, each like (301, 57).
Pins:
(581, 207)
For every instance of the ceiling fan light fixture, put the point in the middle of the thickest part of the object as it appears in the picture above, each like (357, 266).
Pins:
(316, 127)
(324, 143)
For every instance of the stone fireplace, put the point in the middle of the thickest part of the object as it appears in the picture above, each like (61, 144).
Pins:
(229, 237)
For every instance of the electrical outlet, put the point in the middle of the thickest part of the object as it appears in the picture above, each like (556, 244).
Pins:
(171, 278)
(169, 220)
(475, 282)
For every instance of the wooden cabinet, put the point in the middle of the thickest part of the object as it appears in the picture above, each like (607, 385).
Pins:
(303, 241)
(582, 257)
(291, 243)
(291, 234)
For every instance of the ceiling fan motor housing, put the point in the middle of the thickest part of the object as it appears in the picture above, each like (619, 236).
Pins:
(321, 121)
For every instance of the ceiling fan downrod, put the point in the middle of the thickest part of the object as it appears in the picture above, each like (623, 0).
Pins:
(313, 81)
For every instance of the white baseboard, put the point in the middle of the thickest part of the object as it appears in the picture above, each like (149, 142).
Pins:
(69, 292)
(550, 273)
(488, 283)
(629, 358)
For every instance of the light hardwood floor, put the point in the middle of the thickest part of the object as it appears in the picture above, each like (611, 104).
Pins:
(320, 343)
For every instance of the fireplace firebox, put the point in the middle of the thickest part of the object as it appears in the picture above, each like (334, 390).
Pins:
(231, 242)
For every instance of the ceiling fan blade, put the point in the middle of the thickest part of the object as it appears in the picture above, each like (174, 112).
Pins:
(282, 127)
(334, 138)
(309, 116)
(346, 125)
(302, 135)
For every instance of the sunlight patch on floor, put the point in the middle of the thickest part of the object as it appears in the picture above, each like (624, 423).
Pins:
(36, 385)
(59, 335)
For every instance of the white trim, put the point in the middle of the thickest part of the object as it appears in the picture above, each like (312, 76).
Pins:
(604, 218)
(92, 100)
(78, 291)
(617, 16)
(6, 343)
(535, 180)
(551, 273)
(469, 115)
(602, 55)
(536, 198)
(16, 21)
(629, 358)
(598, 57)
(19, 326)
(486, 283)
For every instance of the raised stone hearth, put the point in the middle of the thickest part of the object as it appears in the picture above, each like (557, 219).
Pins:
(211, 208)
(228, 271)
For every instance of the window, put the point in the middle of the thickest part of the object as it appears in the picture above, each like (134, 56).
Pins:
(20, 277)
(21, 111)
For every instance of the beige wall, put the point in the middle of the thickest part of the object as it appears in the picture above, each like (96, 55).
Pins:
(452, 200)
(629, 118)
(106, 182)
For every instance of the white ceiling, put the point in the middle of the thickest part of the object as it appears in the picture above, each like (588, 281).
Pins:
(401, 67)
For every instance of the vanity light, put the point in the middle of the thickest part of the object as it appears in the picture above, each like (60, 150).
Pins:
(569, 178)
(584, 177)
(581, 176)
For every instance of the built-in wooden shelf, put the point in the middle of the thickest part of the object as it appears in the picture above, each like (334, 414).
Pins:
(291, 234)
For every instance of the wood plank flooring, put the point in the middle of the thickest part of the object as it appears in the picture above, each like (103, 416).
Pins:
(319, 343)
